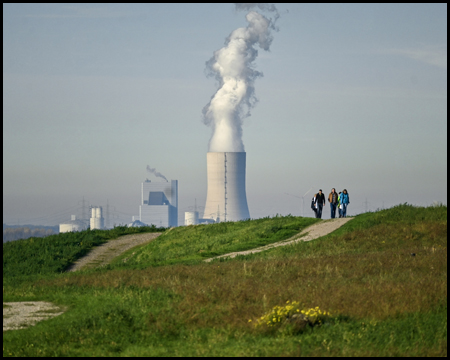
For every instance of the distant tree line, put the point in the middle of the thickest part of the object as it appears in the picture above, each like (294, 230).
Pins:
(15, 233)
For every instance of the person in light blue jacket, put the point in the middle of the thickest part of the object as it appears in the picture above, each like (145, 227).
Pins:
(344, 200)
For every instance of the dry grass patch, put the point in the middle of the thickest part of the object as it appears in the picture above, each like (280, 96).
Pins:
(378, 285)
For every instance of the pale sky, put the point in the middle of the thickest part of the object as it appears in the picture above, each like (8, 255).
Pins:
(353, 96)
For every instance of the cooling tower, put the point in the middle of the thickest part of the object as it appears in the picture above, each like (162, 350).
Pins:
(226, 199)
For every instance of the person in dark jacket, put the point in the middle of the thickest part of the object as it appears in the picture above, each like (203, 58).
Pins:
(333, 200)
(320, 202)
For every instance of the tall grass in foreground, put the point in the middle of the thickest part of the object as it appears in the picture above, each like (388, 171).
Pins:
(384, 300)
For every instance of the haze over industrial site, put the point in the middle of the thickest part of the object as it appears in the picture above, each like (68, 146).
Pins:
(101, 99)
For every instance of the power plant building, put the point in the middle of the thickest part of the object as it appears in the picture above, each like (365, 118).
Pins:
(72, 225)
(226, 198)
(191, 218)
(97, 221)
(159, 203)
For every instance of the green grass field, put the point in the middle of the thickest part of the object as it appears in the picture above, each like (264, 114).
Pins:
(54, 253)
(165, 301)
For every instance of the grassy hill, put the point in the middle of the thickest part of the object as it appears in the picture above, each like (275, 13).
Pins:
(53, 254)
(382, 276)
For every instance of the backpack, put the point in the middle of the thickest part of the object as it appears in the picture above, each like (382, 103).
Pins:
(313, 204)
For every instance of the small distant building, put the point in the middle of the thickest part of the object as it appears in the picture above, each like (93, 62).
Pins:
(97, 221)
(159, 203)
(72, 225)
(136, 223)
(191, 218)
(206, 221)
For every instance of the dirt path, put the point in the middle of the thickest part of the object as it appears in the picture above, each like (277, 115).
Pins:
(20, 315)
(103, 254)
(312, 232)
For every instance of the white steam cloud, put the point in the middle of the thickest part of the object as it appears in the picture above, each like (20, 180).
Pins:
(156, 173)
(233, 67)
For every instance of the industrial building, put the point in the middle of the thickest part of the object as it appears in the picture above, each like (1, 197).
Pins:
(136, 223)
(159, 203)
(191, 218)
(226, 198)
(97, 221)
(72, 225)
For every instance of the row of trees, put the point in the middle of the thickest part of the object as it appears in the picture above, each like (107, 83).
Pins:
(10, 234)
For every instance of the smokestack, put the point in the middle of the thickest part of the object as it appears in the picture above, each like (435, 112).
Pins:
(226, 186)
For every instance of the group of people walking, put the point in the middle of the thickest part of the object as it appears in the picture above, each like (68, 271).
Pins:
(337, 201)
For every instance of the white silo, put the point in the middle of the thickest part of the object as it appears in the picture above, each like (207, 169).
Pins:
(191, 218)
(96, 221)
(226, 198)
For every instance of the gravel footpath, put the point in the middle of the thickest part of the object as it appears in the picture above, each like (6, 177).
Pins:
(103, 254)
(20, 315)
(312, 232)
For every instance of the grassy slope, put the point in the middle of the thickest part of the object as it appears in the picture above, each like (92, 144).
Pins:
(385, 301)
(192, 244)
(53, 254)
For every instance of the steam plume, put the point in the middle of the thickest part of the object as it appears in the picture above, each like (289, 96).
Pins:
(156, 173)
(232, 66)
